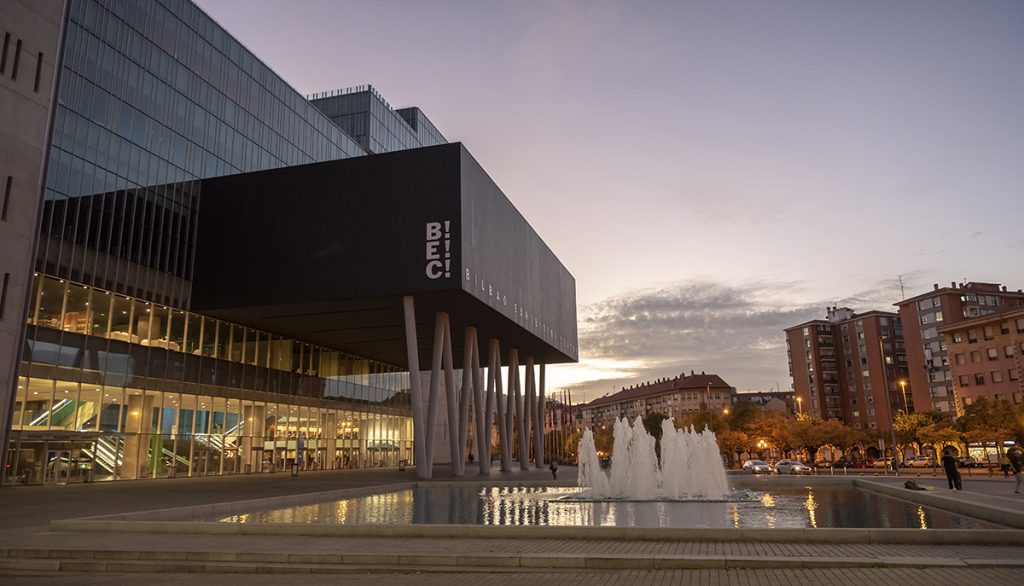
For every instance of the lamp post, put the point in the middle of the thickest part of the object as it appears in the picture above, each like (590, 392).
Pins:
(800, 404)
(888, 396)
(903, 389)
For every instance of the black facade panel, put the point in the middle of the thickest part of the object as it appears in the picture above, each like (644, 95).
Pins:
(325, 252)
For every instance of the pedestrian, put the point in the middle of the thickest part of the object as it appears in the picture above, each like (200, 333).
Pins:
(1016, 457)
(554, 469)
(952, 474)
(1004, 465)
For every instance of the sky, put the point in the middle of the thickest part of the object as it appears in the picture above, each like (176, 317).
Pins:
(709, 172)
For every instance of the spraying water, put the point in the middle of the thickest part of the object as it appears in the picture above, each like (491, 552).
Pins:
(690, 468)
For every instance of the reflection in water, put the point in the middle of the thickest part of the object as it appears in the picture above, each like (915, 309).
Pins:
(792, 507)
(811, 507)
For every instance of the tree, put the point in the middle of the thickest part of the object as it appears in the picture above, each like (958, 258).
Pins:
(742, 414)
(775, 428)
(732, 443)
(652, 423)
(996, 419)
(908, 426)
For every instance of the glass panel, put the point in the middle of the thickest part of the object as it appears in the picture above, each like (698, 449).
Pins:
(121, 316)
(176, 333)
(51, 302)
(37, 404)
(65, 398)
(77, 315)
(193, 331)
(101, 306)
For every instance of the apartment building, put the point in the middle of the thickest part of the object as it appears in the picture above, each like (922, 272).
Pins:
(850, 367)
(987, 357)
(924, 317)
(674, 397)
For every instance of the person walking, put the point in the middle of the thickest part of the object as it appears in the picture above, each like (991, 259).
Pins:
(1016, 457)
(952, 474)
(1004, 465)
(554, 469)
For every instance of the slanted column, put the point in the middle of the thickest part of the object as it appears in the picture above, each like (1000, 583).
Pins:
(466, 396)
(505, 412)
(435, 382)
(481, 412)
(418, 442)
(531, 405)
(495, 403)
(451, 400)
(538, 433)
(520, 420)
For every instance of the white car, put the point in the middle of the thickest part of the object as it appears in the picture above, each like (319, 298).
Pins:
(919, 462)
(791, 467)
(757, 467)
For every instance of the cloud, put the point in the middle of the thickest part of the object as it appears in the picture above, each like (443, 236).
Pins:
(735, 331)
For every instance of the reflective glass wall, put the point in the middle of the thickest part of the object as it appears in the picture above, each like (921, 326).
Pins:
(114, 387)
(154, 95)
(368, 118)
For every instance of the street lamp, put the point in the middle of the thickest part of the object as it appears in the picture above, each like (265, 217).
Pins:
(800, 404)
(903, 389)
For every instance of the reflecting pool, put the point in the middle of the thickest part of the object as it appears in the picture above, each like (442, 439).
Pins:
(783, 507)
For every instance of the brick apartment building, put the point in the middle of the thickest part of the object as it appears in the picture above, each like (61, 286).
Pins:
(987, 357)
(674, 397)
(925, 317)
(851, 367)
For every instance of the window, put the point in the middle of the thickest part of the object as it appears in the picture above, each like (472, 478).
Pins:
(7, 198)
(975, 356)
(990, 332)
(961, 359)
(963, 380)
(997, 376)
(1008, 351)
(979, 378)
(1013, 374)
(972, 336)
(958, 338)
(993, 353)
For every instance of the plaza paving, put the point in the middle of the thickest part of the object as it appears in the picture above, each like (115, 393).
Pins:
(35, 554)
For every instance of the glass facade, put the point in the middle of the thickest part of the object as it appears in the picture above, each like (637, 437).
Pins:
(118, 379)
(370, 120)
(113, 387)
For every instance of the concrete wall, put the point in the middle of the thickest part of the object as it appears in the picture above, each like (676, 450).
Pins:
(30, 33)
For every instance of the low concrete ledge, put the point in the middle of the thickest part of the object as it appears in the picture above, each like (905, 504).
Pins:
(821, 535)
(993, 513)
(234, 563)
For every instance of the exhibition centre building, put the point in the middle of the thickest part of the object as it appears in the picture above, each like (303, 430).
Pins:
(207, 273)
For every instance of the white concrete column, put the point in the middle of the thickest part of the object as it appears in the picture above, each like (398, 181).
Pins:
(521, 421)
(452, 402)
(482, 417)
(466, 396)
(440, 322)
(538, 434)
(502, 418)
(413, 354)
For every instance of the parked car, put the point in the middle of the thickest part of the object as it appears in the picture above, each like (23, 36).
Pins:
(757, 467)
(791, 467)
(919, 462)
(884, 463)
(968, 462)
